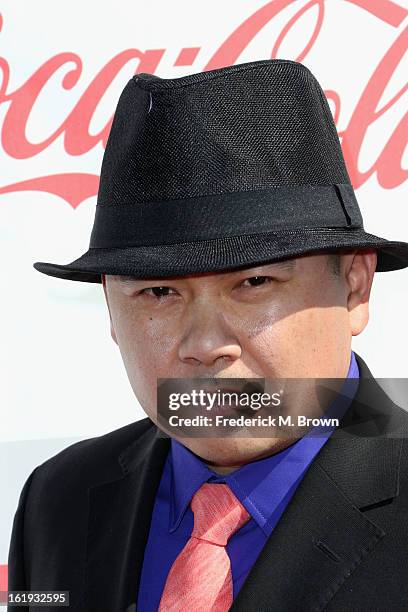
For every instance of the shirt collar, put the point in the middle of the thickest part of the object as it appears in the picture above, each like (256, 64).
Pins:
(262, 486)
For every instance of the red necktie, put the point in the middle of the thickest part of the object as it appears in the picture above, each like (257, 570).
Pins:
(200, 578)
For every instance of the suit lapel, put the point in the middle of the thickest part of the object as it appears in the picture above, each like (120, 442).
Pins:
(318, 542)
(120, 513)
(324, 534)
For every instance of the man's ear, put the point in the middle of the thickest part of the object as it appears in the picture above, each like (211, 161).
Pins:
(112, 329)
(360, 269)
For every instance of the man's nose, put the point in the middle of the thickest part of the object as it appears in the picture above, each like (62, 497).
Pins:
(208, 337)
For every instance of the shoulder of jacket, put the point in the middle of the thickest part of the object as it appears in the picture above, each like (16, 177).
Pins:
(88, 461)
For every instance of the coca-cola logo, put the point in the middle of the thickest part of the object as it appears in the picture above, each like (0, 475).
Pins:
(77, 139)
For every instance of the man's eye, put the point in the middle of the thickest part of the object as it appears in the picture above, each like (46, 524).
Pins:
(256, 281)
(158, 292)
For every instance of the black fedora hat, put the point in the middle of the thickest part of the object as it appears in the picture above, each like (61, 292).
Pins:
(229, 168)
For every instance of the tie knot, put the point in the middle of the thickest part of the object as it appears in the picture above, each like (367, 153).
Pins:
(217, 513)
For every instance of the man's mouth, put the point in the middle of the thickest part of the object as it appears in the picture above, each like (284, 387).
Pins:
(230, 403)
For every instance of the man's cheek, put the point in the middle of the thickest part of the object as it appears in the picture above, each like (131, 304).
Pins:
(162, 340)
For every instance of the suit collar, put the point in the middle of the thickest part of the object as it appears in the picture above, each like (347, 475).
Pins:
(120, 513)
(363, 453)
(321, 537)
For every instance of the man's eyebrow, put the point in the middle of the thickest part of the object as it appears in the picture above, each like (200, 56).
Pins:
(127, 278)
(286, 264)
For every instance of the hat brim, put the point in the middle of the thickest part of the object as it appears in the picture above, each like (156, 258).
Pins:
(222, 254)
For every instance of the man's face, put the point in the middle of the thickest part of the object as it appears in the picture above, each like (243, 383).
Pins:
(287, 319)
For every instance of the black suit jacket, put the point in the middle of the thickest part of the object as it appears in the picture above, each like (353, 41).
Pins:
(83, 518)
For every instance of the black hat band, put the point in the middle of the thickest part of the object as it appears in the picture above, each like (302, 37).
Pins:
(282, 207)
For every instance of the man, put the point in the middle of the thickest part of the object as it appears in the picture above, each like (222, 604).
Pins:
(229, 244)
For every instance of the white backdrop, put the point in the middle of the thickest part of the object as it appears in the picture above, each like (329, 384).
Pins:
(62, 378)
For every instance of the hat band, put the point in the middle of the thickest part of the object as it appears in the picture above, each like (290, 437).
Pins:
(282, 207)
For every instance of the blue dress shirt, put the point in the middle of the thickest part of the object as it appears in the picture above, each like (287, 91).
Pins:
(264, 487)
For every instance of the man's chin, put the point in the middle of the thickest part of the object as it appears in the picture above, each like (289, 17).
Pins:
(228, 451)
